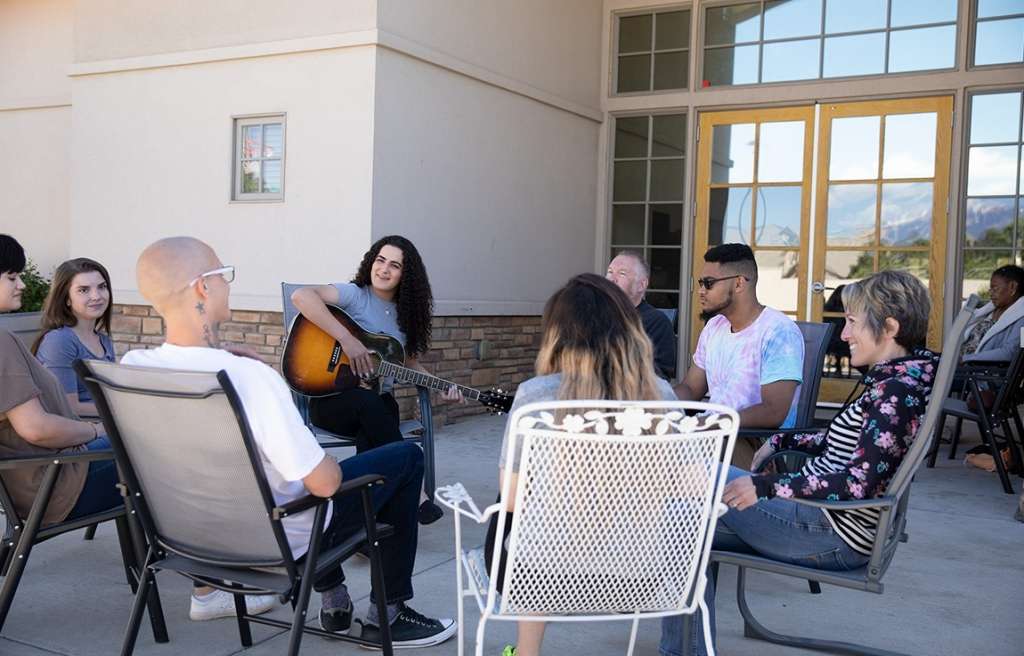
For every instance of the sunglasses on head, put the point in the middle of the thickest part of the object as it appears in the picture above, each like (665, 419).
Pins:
(709, 282)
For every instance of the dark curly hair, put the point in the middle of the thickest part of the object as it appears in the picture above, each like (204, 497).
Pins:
(413, 297)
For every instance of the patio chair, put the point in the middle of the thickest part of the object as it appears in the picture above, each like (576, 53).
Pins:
(421, 430)
(816, 340)
(1006, 380)
(615, 510)
(892, 520)
(194, 478)
(23, 533)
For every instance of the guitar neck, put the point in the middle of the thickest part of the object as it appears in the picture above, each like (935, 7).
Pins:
(407, 375)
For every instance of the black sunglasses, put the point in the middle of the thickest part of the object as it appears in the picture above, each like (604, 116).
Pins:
(709, 282)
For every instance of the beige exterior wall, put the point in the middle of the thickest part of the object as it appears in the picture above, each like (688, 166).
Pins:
(552, 46)
(496, 189)
(35, 122)
(116, 29)
(152, 157)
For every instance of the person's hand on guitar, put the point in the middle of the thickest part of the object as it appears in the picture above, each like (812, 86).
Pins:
(358, 357)
(453, 395)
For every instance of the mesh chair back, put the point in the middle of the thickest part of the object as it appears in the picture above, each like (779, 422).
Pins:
(615, 506)
(892, 523)
(816, 340)
(183, 438)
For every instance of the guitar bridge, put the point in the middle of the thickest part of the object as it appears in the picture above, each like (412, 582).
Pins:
(332, 364)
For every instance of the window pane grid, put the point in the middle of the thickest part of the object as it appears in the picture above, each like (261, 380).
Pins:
(259, 158)
(647, 210)
(650, 67)
(789, 64)
(993, 232)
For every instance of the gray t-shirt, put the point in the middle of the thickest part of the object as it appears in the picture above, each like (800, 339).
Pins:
(59, 350)
(373, 314)
(545, 388)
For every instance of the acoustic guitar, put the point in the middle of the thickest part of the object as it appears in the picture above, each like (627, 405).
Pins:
(314, 364)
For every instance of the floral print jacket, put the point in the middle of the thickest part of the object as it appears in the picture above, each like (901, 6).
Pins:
(892, 408)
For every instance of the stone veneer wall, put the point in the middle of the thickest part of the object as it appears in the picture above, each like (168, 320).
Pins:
(481, 352)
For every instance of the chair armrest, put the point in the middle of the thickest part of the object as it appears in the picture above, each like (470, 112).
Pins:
(311, 501)
(455, 495)
(15, 462)
(788, 453)
(853, 504)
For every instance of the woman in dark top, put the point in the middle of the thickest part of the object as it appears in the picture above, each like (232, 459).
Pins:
(35, 419)
(76, 325)
(854, 458)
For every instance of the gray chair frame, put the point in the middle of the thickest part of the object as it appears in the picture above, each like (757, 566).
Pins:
(1008, 380)
(282, 575)
(892, 520)
(816, 338)
(23, 533)
(420, 431)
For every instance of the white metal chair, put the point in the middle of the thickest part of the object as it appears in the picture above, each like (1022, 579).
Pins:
(614, 515)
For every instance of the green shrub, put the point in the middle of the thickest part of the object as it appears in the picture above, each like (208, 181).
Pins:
(36, 287)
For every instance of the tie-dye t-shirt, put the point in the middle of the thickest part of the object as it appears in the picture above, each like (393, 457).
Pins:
(738, 364)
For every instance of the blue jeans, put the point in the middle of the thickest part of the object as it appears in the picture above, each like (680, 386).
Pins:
(100, 492)
(777, 528)
(396, 502)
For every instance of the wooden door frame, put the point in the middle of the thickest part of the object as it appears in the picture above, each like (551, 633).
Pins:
(706, 122)
(942, 106)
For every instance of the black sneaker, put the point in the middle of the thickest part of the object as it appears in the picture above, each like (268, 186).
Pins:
(336, 620)
(411, 629)
(429, 512)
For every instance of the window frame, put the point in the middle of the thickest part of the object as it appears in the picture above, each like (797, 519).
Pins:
(648, 246)
(821, 37)
(617, 16)
(972, 25)
(1016, 247)
(239, 122)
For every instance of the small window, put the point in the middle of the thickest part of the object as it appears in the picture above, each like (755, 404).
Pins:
(653, 51)
(999, 32)
(259, 158)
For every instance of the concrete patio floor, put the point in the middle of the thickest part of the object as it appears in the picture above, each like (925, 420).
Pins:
(955, 588)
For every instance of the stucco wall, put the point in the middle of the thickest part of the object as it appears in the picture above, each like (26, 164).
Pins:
(152, 157)
(497, 190)
(553, 46)
(112, 29)
(35, 121)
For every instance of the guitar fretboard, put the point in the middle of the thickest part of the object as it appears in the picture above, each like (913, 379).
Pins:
(407, 375)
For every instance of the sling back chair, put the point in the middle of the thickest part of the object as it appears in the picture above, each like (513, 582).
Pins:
(614, 513)
(1005, 382)
(421, 430)
(816, 339)
(23, 533)
(194, 478)
(892, 521)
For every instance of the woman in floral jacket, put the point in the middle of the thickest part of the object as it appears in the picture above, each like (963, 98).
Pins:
(854, 458)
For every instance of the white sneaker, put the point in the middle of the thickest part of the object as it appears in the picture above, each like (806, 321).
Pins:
(219, 604)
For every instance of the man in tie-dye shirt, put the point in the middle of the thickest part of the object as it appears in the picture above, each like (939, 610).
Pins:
(749, 357)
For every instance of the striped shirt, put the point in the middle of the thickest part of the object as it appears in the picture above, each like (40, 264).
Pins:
(857, 455)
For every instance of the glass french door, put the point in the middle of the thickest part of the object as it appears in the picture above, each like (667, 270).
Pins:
(880, 201)
(754, 187)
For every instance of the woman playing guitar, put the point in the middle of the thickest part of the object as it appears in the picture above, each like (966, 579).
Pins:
(389, 294)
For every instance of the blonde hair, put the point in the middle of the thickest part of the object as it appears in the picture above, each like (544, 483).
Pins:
(593, 337)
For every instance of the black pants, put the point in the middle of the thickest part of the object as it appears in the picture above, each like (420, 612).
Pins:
(371, 418)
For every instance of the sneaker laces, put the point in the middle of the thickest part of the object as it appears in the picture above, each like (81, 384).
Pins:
(416, 617)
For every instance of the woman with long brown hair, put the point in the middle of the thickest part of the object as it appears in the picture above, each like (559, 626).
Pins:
(36, 419)
(76, 325)
(593, 346)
